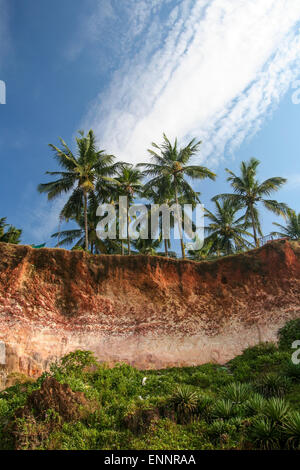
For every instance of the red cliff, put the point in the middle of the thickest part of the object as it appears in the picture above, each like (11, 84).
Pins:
(151, 312)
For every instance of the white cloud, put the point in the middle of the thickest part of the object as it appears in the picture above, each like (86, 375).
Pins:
(211, 69)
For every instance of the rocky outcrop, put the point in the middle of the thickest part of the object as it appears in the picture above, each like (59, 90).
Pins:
(151, 312)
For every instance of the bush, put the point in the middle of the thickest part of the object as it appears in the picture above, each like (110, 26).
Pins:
(224, 409)
(289, 333)
(264, 434)
(237, 392)
(185, 401)
(291, 429)
(292, 371)
(200, 379)
(276, 409)
(255, 405)
(272, 385)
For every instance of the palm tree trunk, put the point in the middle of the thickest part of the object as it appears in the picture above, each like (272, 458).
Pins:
(128, 237)
(179, 225)
(253, 226)
(166, 247)
(86, 222)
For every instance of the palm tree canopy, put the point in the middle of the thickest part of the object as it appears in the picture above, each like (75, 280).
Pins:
(292, 228)
(10, 234)
(169, 166)
(82, 171)
(227, 231)
(248, 190)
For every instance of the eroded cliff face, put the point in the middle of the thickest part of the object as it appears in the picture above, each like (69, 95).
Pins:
(148, 311)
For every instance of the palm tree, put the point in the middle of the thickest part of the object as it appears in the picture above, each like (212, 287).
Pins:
(129, 184)
(9, 235)
(160, 194)
(170, 166)
(83, 172)
(292, 228)
(226, 231)
(249, 191)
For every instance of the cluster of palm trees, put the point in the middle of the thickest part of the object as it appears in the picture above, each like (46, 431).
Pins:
(9, 233)
(92, 177)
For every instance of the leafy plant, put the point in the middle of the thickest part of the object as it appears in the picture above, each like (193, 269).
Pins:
(289, 333)
(255, 404)
(224, 409)
(292, 371)
(276, 409)
(291, 428)
(184, 400)
(237, 392)
(272, 384)
(264, 434)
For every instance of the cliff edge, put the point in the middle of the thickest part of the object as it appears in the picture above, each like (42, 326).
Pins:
(148, 311)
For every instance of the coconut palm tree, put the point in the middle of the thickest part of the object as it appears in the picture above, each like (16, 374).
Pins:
(82, 172)
(250, 192)
(10, 234)
(292, 228)
(227, 231)
(128, 183)
(170, 166)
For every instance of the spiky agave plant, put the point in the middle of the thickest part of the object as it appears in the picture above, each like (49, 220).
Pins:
(291, 429)
(237, 392)
(272, 385)
(276, 409)
(185, 401)
(255, 404)
(224, 409)
(264, 434)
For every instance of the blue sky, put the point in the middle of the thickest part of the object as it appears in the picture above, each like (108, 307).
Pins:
(218, 70)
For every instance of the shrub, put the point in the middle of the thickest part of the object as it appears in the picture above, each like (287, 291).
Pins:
(276, 409)
(272, 384)
(264, 434)
(292, 371)
(289, 333)
(291, 429)
(255, 404)
(185, 401)
(237, 392)
(200, 379)
(204, 405)
(219, 429)
(224, 409)
(74, 362)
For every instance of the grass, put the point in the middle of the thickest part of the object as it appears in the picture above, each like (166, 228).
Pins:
(250, 403)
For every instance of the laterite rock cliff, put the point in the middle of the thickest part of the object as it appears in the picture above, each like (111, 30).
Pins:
(151, 312)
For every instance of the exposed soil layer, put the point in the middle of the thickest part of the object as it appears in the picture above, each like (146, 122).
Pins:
(148, 311)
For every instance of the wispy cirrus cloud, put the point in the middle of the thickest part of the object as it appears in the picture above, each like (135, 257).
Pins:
(212, 69)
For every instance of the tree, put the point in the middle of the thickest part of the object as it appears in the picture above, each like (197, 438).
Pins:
(170, 166)
(227, 231)
(83, 172)
(250, 192)
(292, 228)
(129, 184)
(9, 235)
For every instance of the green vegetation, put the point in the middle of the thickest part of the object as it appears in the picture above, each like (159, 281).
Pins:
(292, 228)
(252, 402)
(249, 191)
(9, 233)
(93, 177)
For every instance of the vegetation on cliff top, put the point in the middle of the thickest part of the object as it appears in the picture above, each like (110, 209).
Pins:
(250, 403)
